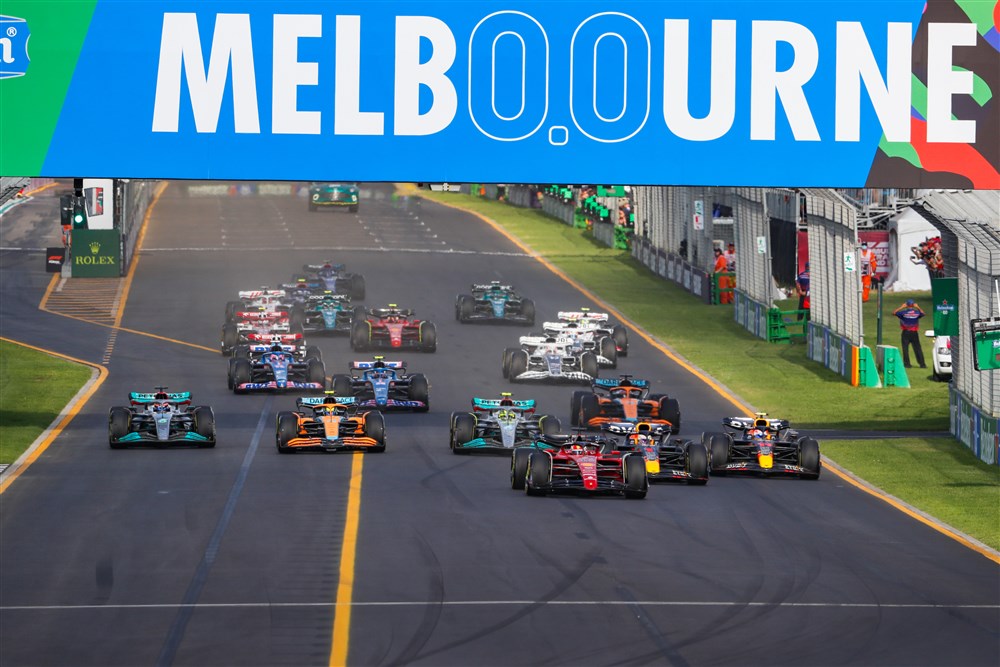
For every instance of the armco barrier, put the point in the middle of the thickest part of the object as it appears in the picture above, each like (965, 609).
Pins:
(750, 314)
(671, 267)
(979, 432)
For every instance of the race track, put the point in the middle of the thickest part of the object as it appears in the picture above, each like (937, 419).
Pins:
(235, 555)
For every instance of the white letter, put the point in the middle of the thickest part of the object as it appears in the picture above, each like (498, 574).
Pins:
(722, 91)
(348, 117)
(943, 82)
(411, 74)
(288, 74)
(891, 98)
(765, 81)
(180, 45)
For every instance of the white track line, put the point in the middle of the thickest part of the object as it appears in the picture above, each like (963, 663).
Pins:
(315, 249)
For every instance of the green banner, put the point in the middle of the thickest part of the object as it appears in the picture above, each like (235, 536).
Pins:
(944, 293)
(96, 253)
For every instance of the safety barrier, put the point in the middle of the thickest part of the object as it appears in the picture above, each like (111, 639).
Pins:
(719, 291)
(974, 429)
(855, 363)
(782, 328)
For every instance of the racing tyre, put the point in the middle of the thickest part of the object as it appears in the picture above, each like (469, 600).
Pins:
(204, 425)
(609, 351)
(295, 327)
(232, 307)
(809, 458)
(549, 424)
(636, 482)
(620, 335)
(313, 208)
(719, 449)
(316, 372)
(287, 428)
(539, 474)
(230, 337)
(670, 410)
(419, 391)
(353, 209)
(590, 407)
(519, 467)
(118, 426)
(341, 385)
(507, 353)
(588, 364)
(574, 406)
(242, 351)
(360, 335)
(358, 314)
(375, 429)
(313, 352)
(465, 308)
(357, 285)
(428, 337)
(518, 364)
(697, 463)
(241, 374)
(528, 311)
(462, 431)
(229, 379)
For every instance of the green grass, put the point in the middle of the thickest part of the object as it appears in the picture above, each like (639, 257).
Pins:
(938, 476)
(34, 388)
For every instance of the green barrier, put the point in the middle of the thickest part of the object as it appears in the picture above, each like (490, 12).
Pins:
(622, 238)
(867, 370)
(893, 369)
(782, 328)
(718, 291)
(95, 253)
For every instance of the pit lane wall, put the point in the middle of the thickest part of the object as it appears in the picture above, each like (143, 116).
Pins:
(978, 431)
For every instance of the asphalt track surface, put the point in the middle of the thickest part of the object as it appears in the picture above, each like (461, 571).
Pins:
(233, 556)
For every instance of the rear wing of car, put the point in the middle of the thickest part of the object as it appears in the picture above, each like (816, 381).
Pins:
(312, 268)
(175, 397)
(611, 383)
(370, 365)
(491, 286)
(261, 348)
(258, 315)
(484, 404)
(257, 293)
(314, 298)
(274, 339)
(584, 315)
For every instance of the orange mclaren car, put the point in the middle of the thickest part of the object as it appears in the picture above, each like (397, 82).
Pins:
(625, 399)
(329, 423)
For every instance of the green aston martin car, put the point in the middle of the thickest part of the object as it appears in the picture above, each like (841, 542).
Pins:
(333, 194)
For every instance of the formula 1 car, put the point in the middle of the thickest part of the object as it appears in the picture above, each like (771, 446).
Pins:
(548, 359)
(254, 326)
(276, 370)
(624, 399)
(161, 418)
(667, 459)
(261, 344)
(264, 299)
(580, 463)
(337, 195)
(593, 325)
(393, 327)
(331, 424)
(330, 313)
(498, 425)
(494, 302)
(333, 277)
(383, 385)
(764, 446)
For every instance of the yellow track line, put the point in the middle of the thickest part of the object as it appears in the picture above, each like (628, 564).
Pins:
(877, 493)
(345, 581)
(71, 410)
(41, 189)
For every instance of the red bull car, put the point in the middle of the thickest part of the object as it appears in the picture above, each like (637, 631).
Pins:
(763, 446)
(577, 463)
(393, 328)
(667, 459)
(330, 424)
(625, 399)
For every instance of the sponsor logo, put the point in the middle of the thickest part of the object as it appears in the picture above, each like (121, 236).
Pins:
(95, 247)
(14, 58)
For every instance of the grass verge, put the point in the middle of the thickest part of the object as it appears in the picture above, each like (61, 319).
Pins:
(779, 378)
(34, 388)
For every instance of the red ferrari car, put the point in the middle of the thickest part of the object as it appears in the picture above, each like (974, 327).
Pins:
(394, 328)
(580, 463)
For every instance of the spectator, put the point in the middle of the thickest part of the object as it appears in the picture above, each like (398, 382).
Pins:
(929, 254)
(802, 289)
(909, 315)
(868, 267)
(731, 258)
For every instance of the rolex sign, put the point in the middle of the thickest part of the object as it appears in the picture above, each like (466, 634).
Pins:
(95, 253)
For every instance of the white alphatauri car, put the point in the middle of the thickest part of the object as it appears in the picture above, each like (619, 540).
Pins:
(941, 356)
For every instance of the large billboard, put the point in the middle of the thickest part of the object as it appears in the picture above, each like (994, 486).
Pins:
(820, 93)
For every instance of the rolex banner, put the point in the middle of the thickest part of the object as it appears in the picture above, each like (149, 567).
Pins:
(96, 253)
(944, 292)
